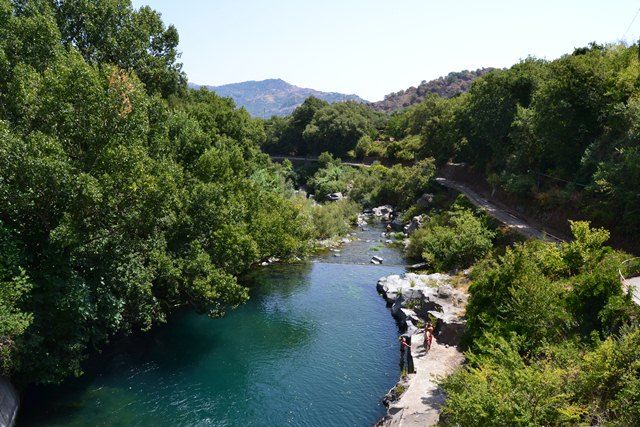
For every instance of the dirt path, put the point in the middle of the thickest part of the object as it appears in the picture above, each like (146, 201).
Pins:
(507, 218)
(420, 404)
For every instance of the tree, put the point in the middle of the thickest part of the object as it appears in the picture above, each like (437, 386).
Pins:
(122, 194)
(337, 128)
(112, 32)
(454, 240)
(15, 286)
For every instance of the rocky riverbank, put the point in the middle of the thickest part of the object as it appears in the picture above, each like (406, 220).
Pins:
(414, 298)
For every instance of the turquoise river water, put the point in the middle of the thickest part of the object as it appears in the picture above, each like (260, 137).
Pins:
(315, 346)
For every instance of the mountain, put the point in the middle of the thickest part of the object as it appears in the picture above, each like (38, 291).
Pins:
(273, 97)
(448, 86)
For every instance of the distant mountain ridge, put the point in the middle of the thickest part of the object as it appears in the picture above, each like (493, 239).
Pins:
(448, 86)
(273, 97)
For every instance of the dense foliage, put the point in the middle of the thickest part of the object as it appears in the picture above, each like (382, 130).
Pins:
(559, 134)
(122, 194)
(398, 185)
(451, 240)
(317, 126)
(332, 219)
(552, 338)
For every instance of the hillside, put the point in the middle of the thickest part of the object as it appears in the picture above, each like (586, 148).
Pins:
(448, 86)
(274, 97)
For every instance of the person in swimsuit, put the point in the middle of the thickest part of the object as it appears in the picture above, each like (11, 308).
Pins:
(428, 335)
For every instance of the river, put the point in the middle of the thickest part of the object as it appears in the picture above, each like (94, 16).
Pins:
(315, 346)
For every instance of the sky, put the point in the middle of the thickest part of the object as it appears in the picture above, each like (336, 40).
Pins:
(374, 47)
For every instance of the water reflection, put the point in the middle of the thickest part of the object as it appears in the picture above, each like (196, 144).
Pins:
(315, 345)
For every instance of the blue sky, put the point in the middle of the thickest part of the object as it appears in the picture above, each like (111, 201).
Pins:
(373, 47)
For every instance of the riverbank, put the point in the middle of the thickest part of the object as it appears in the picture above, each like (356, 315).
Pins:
(417, 398)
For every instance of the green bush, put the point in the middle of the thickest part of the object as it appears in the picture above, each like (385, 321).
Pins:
(334, 218)
(514, 295)
(454, 239)
(399, 185)
(329, 219)
(499, 388)
(570, 385)
(332, 177)
(609, 382)
(552, 340)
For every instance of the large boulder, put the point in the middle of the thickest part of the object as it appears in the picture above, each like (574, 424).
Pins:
(449, 327)
(383, 212)
(396, 224)
(376, 260)
(415, 223)
(424, 201)
(361, 221)
(412, 296)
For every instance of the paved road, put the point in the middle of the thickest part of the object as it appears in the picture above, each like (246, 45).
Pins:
(633, 286)
(507, 218)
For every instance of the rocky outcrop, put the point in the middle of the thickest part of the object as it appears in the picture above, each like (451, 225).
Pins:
(416, 399)
(414, 296)
(383, 212)
(410, 284)
(362, 220)
(424, 201)
(415, 223)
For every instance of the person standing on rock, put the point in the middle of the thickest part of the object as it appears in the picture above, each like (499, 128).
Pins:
(405, 346)
(428, 335)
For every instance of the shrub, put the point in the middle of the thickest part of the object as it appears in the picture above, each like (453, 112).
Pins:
(334, 218)
(513, 295)
(499, 388)
(454, 239)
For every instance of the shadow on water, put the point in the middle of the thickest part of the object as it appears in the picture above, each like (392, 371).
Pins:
(185, 342)
(277, 279)
(314, 345)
